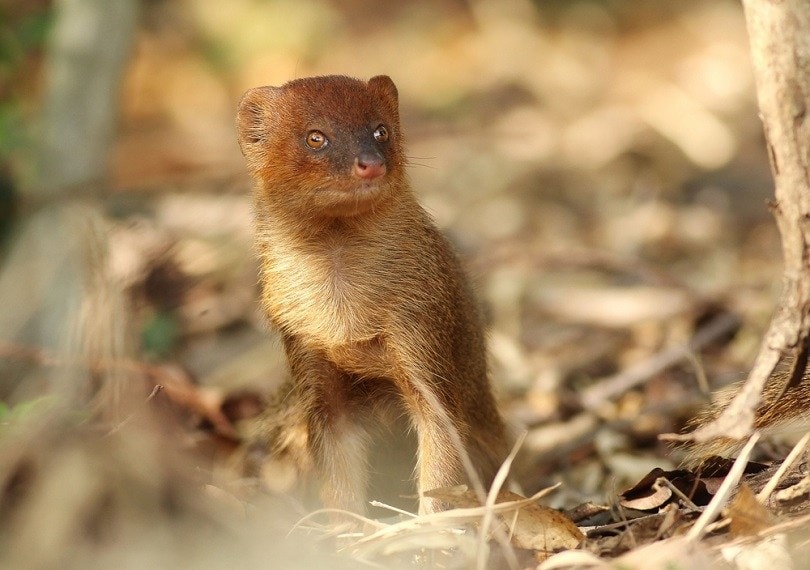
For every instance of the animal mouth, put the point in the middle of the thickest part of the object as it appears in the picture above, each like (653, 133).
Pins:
(353, 198)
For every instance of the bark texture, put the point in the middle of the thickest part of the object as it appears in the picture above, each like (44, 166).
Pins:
(779, 32)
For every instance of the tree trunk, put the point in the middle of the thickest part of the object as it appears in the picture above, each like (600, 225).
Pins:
(779, 32)
(87, 54)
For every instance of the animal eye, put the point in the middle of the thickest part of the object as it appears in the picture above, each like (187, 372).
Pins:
(316, 140)
(381, 134)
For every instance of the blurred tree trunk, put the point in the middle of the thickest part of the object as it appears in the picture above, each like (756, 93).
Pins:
(779, 32)
(87, 55)
(55, 282)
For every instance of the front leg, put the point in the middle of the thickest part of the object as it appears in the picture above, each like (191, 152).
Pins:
(440, 435)
(461, 437)
(337, 442)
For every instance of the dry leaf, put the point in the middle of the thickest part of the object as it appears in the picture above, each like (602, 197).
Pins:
(541, 528)
(658, 496)
(748, 516)
(648, 494)
(534, 527)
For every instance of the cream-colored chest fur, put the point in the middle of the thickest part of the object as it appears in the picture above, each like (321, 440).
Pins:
(330, 294)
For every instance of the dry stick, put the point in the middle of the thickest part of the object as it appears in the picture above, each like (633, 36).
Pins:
(508, 253)
(397, 510)
(44, 357)
(158, 388)
(794, 454)
(628, 530)
(678, 493)
(779, 34)
(593, 396)
(721, 497)
(590, 530)
(700, 372)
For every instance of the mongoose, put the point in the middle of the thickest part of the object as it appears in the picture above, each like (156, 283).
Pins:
(370, 300)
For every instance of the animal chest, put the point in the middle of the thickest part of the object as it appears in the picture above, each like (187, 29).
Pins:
(325, 295)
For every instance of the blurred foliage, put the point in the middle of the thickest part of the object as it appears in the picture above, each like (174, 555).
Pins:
(8, 206)
(12, 415)
(24, 29)
(160, 334)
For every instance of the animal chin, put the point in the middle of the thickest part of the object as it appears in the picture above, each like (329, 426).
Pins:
(352, 199)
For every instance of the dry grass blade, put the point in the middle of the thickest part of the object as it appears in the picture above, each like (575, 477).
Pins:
(452, 517)
(720, 498)
(341, 512)
(492, 496)
(794, 454)
(382, 505)
(535, 528)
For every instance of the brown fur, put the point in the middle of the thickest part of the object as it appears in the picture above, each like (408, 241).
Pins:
(368, 295)
(778, 414)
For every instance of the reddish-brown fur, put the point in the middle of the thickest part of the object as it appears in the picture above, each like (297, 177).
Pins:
(369, 297)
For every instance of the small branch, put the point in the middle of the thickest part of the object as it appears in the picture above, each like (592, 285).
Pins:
(794, 454)
(678, 493)
(158, 388)
(723, 493)
(612, 386)
(175, 383)
(779, 33)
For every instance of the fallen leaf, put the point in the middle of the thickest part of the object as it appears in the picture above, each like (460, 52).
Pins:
(747, 515)
(657, 496)
(531, 526)
(648, 494)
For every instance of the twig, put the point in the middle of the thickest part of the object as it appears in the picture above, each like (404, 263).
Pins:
(175, 387)
(154, 392)
(590, 531)
(382, 505)
(721, 497)
(700, 372)
(628, 530)
(778, 32)
(686, 500)
(341, 512)
(593, 396)
(794, 454)
(44, 357)
(158, 388)
(577, 258)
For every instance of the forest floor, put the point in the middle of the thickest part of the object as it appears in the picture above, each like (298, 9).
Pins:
(612, 213)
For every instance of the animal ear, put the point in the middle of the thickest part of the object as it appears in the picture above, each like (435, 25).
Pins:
(251, 116)
(384, 88)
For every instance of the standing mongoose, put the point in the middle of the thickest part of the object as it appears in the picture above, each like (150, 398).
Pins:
(370, 300)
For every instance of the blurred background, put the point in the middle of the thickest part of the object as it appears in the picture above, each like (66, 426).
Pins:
(599, 164)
